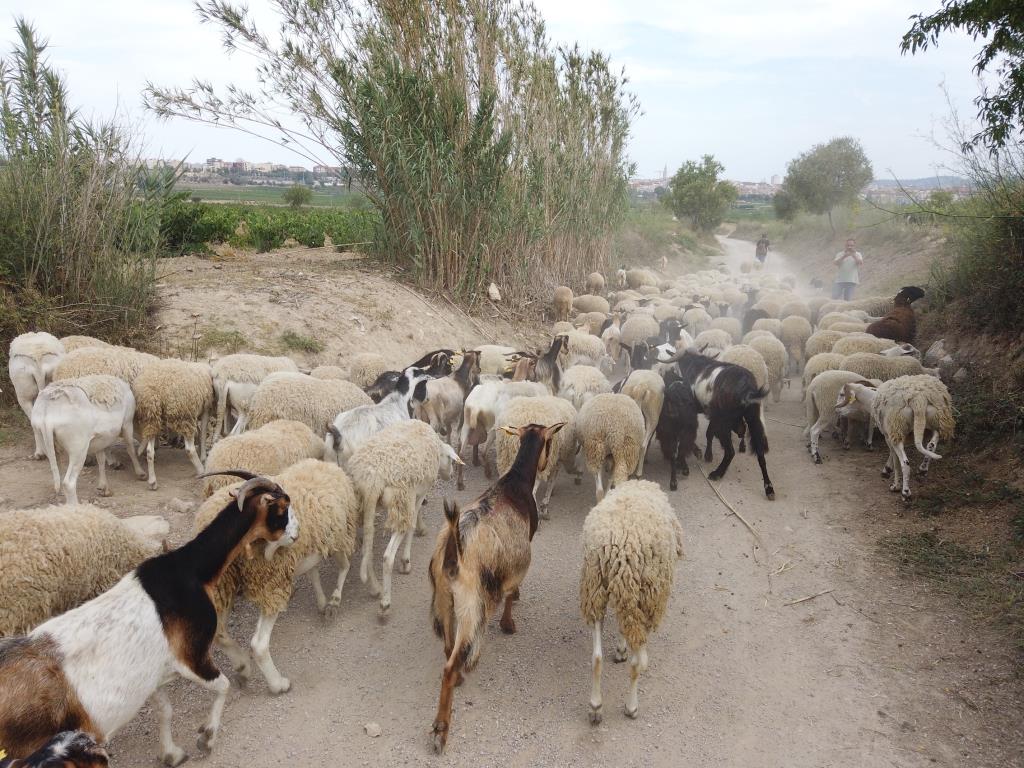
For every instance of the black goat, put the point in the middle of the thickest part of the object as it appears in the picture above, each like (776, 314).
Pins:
(435, 364)
(729, 396)
(751, 317)
(677, 425)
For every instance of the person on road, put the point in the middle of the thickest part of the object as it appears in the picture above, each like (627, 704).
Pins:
(761, 250)
(848, 262)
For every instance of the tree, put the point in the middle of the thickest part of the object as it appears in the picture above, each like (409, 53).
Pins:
(1001, 24)
(827, 175)
(785, 206)
(696, 193)
(298, 195)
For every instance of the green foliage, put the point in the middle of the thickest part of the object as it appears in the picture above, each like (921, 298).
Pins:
(297, 342)
(785, 205)
(188, 227)
(650, 232)
(225, 341)
(697, 194)
(298, 195)
(1000, 24)
(487, 153)
(79, 214)
(825, 176)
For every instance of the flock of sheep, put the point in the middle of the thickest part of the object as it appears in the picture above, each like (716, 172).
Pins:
(296, 463)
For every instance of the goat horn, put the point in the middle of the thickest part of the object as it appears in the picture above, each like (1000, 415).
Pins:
(252, 483)
(242, 473)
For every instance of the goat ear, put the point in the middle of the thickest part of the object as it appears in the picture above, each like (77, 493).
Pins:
(514, 431)
(551, 431)
(451, 511)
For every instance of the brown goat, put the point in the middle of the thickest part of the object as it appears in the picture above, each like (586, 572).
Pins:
(900, 324)
(481, 558)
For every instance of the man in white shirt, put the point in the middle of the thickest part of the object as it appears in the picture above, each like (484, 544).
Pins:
(848, 274)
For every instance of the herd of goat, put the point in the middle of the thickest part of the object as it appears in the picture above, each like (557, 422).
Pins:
(296, 463)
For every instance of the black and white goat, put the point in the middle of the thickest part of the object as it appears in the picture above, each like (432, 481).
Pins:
(437, 363)
(68, 749)
(730, 398)
(92, 668)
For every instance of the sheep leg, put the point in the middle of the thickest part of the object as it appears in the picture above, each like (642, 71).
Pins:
(599, 489)
(238, 656)
(643, 450)
(421, 526)
(76, 460)
(101, 470)
(204, 422)
(366, 574)
(150, 462)
(261, 652)
(931, 445)
(452, 673)
(389, 564)
(318, 590)
(901, 452)
(405, 562)
(334, 604)
(595, 683)
(816, 430)
(190, 449)
(128, 435)
(170, 753)
(637, 665)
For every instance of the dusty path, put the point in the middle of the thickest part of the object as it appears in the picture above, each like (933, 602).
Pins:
(873, 673)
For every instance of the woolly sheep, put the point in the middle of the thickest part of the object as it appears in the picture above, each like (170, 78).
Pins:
(821, 407)
(123, 362)
(71, 343)
(713, 341)
(562, 302)
(872, 366)
(637, 328)
(821, 341)
(582, 348)
(325, 506)
(235, 378)
(908, 405)
(494, 358)
(647, 389)
(480, 413)
(795, 309)
(794, 331)
(771, 307)
(31, 361)
(329, 372)
(664, 312)
(595, 283)
(590, 322)
(588, 302)
(176, 397)
(848, 327)
(635, 278)
(55, 558)
(610, 425)
(747, 357)
(295, 396)
(365, 367)
(631, 542)
(546, 411)
(771, 325)
(265, 451)
(84, 416)
(821, 362)
(750, 335)
(396, 468)
(696, 320)
(580, 383)
(774, 353)
(851, 345)
(831, 318)
(562, 327)
(730, 325)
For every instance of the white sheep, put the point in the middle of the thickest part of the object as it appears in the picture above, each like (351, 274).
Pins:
(902, 407)
(637, 328)
(589, 302)
(749, 335)
(769, 324)
(696, 319)
(31, 361)
(395, 469)
(265, 451)
(296, 396)
(849, 327)
(578, 384)
(826, 321)
(84, 416)
(730, 325)
(885, 367)
(647, 389)
(747, 357)
(325, 508)
(863, 342)
(796, 308)
(329, 372)
(821, 408)
(774, 354)
(365, 367)
(56, 558)
(821, 341)
(495, 359)
(583, 349)
(632, 540)
(123, 362)
(610, 426)
(823, 361)
(235, 378)
(351, 428)
(595, 283)
(546, 411)
(713, 341)
(794, 331)
(71, 343)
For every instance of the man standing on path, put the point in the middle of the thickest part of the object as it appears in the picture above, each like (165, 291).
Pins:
(848, 275)
(761, 250)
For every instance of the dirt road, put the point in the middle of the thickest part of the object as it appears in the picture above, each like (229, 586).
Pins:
(745, 671)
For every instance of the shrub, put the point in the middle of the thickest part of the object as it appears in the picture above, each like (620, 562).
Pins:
(298, 195)
(298, 342)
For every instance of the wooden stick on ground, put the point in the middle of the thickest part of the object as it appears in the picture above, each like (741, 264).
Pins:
(809, 597)
(731, 508)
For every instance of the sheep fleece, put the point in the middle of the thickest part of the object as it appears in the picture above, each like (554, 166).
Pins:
(611, 424)
(173, 395)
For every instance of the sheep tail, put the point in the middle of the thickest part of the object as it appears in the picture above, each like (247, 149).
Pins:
(919, 405)
(46, 434)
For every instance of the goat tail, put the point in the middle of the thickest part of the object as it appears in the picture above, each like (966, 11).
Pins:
(919, 405)
(370, 497)
(332, 445)
(754, 417)
(46, 436)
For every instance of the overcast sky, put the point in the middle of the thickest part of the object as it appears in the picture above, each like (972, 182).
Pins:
(753, 82)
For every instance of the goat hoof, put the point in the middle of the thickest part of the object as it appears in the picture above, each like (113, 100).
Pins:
(242, 677)
(769, 492)
(283, 686)
(175, 757)
(508, 627)
(544, 514)
(894, 488)
(153, 486)
(461, 486)
(440, 737)
(331, 610)
(886, 472)
(595, 714)
(673, 486)
(140, 475)
(405, 567)
(577, 480)
(207, 737)
(631, 715)
(908, 497)
(38, 456)
(104, 493)
(817, 458)
(716, 475)
(384, 614)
